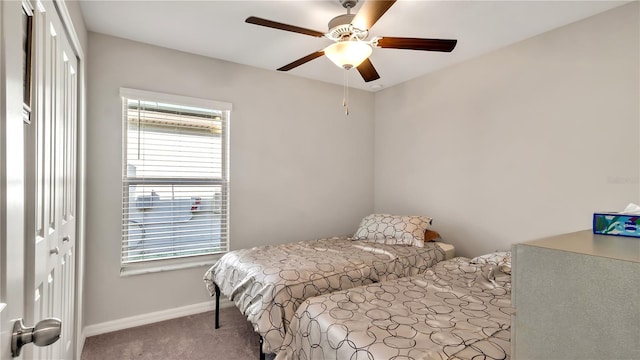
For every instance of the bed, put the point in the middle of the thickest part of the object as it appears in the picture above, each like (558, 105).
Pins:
(459, 309)
(268, 283)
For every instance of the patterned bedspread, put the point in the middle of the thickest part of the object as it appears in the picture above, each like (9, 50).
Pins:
(455, 310)
(268, 283)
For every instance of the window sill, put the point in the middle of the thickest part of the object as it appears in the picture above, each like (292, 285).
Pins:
(167, 265)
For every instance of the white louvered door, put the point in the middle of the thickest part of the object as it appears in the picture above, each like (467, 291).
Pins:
(51, 183)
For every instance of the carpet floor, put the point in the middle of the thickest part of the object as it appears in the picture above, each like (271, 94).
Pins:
(187, 338)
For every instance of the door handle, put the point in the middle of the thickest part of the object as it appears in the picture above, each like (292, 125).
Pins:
(65, 239)
(46, 332)
(55, 250)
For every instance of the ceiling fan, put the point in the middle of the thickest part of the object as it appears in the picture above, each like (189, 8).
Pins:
(349, 33)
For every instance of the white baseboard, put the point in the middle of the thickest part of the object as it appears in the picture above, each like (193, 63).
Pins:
(153, 317)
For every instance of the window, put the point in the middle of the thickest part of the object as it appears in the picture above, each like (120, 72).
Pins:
(175, 177)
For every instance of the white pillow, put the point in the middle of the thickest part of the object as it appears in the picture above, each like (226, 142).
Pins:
(496, 258)
(393, 229)
(501, 259)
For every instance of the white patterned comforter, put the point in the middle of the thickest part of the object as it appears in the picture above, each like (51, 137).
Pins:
(455, 310)
(268, 283)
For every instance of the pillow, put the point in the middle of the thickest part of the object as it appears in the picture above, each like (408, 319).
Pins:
(393, 229)
(496, 258)
(501, 259)
(430, 235)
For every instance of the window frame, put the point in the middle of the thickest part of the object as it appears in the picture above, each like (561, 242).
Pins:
(173, 263)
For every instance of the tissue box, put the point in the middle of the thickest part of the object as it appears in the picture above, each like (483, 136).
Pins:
(612, 223)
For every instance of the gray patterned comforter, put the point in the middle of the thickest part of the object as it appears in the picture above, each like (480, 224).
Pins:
(455, 310)
(268, 283)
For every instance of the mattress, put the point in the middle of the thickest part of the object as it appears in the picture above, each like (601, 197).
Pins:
(455, 310)
(268, 283)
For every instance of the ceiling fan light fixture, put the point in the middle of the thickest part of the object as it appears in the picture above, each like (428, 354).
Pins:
(348, 54)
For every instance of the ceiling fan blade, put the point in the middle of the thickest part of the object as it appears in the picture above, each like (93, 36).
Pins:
(370, 12)
(276, 25)
(417, 44)
(367, 71)
(301, 61)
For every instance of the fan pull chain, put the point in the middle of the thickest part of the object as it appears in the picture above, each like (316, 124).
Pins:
(345, 94)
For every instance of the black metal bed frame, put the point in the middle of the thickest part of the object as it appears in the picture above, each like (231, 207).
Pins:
(217, 319)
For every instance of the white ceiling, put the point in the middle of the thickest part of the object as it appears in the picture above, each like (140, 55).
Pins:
(217, 29)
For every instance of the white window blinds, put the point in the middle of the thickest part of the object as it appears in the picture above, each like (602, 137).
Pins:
(174, 177)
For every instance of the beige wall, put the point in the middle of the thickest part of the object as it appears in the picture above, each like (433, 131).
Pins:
(300, 169)
(521, 143)
(524, 142)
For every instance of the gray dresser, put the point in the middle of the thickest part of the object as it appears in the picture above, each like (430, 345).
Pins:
(577, 296)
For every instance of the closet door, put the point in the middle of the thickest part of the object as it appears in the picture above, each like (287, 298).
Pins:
(51, 183)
